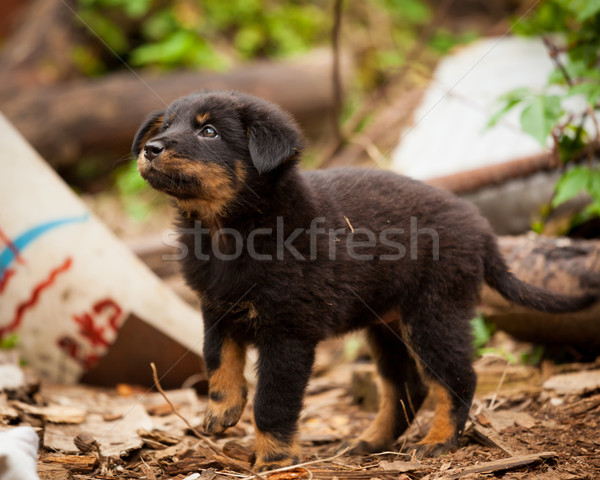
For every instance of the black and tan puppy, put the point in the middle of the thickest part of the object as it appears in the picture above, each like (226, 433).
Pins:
(282, 259)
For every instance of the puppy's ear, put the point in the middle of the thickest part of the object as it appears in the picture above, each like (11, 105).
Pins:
(148, 129)
(274, 138)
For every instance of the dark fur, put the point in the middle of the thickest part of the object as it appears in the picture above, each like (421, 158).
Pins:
(416, 310)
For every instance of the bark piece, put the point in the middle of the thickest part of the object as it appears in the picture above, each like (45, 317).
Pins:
(74, 463)
(495, 466)
(562, 265)
(575, 383)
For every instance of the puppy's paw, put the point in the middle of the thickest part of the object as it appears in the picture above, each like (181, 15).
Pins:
(431, 450)
(217, 420)
(363, 447)
(272, 462)
(272, 453)
(223, 411)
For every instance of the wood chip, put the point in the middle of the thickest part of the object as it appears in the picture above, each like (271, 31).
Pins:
(53, 413)
(160, 410)
(115, 438)
(576, 383)
(74, 463)
(192, 464)
(400, 466)
(53, 472)
(238, 451)
(494, 466)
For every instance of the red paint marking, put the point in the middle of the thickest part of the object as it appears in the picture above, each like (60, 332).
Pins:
(113, 321)
(89, 330)
(9, 272)
(12, 247)
(70, 346)
(73, 349)
(90, 361)
(35, 295)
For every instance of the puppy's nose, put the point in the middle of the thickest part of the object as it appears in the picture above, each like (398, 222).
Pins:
(153, 150)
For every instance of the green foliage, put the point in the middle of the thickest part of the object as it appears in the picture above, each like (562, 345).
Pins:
(209, 35)
(130, 186)
(482, 332)
(575, 27)
(9, 342)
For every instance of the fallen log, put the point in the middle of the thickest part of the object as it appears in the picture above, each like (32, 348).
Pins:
(563, 265)
(99, 117)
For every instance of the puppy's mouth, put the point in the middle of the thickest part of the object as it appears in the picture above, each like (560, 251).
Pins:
(174, 183)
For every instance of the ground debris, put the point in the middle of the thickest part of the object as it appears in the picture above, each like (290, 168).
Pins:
(574, 383)
(131, 434)
(73, 463)
(495, 466)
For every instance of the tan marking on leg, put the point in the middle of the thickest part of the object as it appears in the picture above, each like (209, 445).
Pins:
(273, 453)
(380, 434)
(443, 427)
(227, 389)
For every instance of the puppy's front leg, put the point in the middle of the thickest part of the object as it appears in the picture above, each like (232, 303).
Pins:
(227, 388)
(284, 367)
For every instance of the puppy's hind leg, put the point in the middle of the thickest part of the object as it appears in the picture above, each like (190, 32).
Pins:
(442, 347)
(401, 394)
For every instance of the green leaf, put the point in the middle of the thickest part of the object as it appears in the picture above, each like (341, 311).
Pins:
(481, 331)
(585, 9)
(591, 92)
(540, 116)
(129, 181)
(9, 342)
(571, 184)
(106, 29)
(508, 101)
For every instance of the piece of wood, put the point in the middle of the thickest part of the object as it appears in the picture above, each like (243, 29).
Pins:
(53, 472)
(494, 466)
(575, 383)
(238, 451)
(67, 121)
(566, 266)
(53, 413)
(73, 463)
(115, 438)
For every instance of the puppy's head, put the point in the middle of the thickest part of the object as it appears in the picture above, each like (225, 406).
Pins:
(204, 147)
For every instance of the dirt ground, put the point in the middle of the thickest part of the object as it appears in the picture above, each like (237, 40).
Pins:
(525, 423)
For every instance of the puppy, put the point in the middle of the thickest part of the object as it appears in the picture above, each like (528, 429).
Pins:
(282, 259)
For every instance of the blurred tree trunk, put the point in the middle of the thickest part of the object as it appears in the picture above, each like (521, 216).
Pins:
(67, 121)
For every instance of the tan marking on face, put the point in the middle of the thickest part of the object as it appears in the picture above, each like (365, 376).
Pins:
(443, 427)
(154, 126)
(391, 318)
(268, 447)
(218, 192)
(203, 117)
(143, 165)
(380, 434)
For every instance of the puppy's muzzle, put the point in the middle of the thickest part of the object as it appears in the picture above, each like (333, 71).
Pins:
(153, 150)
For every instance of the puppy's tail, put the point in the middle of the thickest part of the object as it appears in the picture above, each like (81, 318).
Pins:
(498, 276)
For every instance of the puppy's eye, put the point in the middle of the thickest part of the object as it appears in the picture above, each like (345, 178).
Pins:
(165, 126)
(209, 132)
